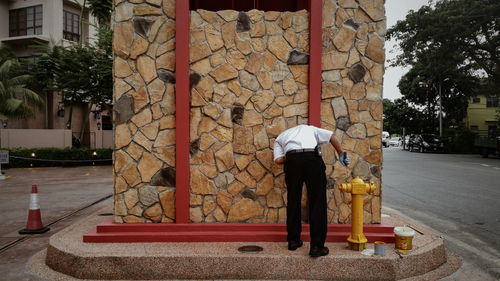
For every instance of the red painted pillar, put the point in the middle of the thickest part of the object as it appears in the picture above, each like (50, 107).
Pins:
(182, 111)
(315, 48)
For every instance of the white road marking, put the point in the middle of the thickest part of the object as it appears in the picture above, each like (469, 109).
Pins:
(485, 165)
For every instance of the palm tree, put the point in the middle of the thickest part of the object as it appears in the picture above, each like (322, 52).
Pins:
(15, 99)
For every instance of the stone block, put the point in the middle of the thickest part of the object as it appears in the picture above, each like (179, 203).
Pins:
(279, 47)
(200, 184)
(224, 72)
(244, 210)
(164, 177)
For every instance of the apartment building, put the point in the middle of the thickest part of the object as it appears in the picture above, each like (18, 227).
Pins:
(482, 114)
(54, 22)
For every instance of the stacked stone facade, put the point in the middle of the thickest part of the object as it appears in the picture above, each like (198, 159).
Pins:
(249, 82)
(253, 70)
(144, 105)
(351, 98)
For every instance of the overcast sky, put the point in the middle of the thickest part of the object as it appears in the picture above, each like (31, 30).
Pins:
(396, 10)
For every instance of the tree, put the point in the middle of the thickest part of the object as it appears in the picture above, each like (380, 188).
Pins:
(467, 30)
(82, 73)
(16, 100)
(450, 47)
(101, 9)
(425, 83)
(399, 115)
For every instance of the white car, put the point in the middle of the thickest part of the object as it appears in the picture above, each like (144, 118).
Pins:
(394, 141)
(385, 139)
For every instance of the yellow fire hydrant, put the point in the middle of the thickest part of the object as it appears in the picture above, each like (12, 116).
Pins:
(358, 188)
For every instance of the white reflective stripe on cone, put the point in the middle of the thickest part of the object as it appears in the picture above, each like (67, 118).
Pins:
(34, 202)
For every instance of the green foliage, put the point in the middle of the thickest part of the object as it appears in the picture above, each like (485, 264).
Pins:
(421, 88)
(450, 46)
(459, 140)
(465, 31)
(101, 9)
(16, 99)
(75, 155)
(398, 115)
(81, 72)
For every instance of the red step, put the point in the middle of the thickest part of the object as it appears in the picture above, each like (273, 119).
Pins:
(109, 232)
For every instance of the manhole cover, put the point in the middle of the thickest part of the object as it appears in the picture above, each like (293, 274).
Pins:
(250, 248)
(105, 214)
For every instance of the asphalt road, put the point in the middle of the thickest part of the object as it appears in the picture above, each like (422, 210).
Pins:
(66, 195)
(457, 195)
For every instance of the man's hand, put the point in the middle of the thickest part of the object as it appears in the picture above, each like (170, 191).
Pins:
(280, 160)
(344, 159)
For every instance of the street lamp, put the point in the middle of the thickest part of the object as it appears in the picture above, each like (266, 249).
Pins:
(441, 107)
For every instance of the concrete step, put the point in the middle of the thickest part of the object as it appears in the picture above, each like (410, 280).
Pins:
(109, 232)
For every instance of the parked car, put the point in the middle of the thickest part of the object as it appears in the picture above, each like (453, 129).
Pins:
(426, 142)
(408, 141)
(394, 141)
(385, 139)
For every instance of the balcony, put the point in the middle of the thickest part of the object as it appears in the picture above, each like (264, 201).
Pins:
(25, 39)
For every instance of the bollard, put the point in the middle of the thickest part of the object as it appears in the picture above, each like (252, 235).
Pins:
(358, 188)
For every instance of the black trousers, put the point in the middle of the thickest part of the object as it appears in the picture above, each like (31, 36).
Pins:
(306, 167)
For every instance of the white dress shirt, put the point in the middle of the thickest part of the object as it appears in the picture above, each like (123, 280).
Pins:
(300, 137)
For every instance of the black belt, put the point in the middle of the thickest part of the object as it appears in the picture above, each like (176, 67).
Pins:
(301, 150)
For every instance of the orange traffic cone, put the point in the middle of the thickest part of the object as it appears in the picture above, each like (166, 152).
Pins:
(34, 225)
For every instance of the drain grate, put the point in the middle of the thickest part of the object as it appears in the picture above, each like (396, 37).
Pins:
(106, 214)
(250, 249)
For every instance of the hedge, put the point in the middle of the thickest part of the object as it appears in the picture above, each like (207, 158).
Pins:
(56, 157)
(460, 140)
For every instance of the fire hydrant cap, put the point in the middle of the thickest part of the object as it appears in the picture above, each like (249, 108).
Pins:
(357, 180)
(404, 231)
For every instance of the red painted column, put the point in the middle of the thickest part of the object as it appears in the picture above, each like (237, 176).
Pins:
(315, 48)
(182, 111)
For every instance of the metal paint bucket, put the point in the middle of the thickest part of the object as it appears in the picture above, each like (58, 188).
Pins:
(404, 237)
(379, 248)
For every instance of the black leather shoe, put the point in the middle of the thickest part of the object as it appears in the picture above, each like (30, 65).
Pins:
(294, 245)
(318, 251)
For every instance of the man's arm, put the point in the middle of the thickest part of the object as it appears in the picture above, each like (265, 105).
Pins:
(336, 144)
(343, 158)
(279, 153)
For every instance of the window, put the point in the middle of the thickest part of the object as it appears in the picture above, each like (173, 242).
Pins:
(107, 123)
(492, 102)
(476, 100)
(474, 127)
(71, 28)
(492, 130)
(25, 21)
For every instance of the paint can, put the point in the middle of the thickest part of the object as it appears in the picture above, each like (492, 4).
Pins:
(379, 248)
(404, 237)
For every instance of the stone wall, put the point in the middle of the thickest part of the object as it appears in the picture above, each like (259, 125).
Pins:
(144, 104)
(250, 74)
(352, 73)
(249, 82)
